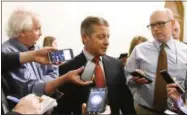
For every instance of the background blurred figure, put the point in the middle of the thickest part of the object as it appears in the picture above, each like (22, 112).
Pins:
(50, 42)
(176, 31)
(135, 41)
(123, 57)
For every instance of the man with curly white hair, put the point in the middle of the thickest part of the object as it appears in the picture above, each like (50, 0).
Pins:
(24, 30)
(25, 26)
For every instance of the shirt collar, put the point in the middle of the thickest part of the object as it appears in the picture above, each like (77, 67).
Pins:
(20, 46)
(88, 55)
(169, 43)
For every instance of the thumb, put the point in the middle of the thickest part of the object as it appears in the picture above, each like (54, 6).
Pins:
(79, 70)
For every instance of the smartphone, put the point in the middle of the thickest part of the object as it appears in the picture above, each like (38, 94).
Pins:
(135, 73)
(169, 80)
(88, 71)
(60, 55)
(97, 100)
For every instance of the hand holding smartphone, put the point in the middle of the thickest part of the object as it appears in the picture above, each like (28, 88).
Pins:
(97, 100)
(60, 56)
(88, 71)
(169, 80)
(138, 74)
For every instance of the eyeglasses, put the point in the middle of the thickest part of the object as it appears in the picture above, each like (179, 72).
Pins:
(158, 24)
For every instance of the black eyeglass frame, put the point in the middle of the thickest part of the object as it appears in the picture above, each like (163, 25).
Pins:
(158, 24)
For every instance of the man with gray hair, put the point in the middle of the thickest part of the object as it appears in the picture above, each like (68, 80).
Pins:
(24, 29)
(165, 53)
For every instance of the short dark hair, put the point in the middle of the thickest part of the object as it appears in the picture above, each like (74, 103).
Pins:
(86, 25)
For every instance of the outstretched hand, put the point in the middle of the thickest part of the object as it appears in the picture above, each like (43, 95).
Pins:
(172, 91)
(41, 55)
(74, 77)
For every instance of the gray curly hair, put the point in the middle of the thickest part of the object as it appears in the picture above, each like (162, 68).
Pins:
(20, 20)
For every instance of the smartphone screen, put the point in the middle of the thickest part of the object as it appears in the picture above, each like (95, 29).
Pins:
(97, 100)
(169, 80)
(60, 55)
(88, 71)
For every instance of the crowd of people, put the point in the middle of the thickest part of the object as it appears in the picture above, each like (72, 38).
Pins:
(31, 72)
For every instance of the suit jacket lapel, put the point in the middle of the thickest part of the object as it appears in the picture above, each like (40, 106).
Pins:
(81, 59)
(106, 65)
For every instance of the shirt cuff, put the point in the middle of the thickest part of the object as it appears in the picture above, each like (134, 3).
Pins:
(180, 102)
(39, 88)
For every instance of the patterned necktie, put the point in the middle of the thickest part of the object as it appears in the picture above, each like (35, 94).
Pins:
(99, 75)
(160, 96)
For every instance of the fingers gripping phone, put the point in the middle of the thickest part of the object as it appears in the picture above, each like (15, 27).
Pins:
(88, 71)
(169, 80)
(97, 100)
(135, 73)
(60, 55)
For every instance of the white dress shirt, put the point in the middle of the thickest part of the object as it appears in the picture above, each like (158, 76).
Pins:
(145, 57)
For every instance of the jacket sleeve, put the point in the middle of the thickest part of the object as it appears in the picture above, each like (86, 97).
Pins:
(9, 60)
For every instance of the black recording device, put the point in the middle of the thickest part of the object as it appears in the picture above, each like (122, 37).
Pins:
(169, 80)
(135, 73)
(97, 100)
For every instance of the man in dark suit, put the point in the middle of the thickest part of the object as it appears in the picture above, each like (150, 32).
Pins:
(95, 37)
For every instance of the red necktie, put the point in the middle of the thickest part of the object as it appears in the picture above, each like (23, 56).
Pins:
(99, 76)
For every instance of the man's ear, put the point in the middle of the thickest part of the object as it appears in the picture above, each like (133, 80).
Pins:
(84, 38)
